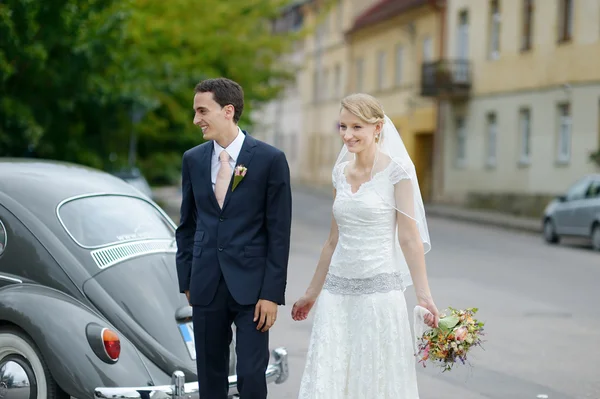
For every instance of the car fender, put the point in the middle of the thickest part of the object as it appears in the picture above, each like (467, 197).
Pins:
(57, 324)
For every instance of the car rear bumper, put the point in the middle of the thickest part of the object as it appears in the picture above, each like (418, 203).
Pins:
(277, 373)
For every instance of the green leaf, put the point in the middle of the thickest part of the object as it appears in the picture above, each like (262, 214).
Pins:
(448, 323)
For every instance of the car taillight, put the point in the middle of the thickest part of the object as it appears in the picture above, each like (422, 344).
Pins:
(112, 344)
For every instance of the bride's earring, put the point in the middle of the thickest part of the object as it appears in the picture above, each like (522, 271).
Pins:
(377, 138)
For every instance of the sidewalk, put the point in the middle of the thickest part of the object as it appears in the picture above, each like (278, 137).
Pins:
(169, 199)
(484, 217)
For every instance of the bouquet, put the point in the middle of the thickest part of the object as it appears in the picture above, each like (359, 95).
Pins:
(450, 342)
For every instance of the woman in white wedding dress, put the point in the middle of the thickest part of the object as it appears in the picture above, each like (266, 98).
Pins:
(361, 345)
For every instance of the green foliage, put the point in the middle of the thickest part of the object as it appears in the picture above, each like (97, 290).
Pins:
(74, 73)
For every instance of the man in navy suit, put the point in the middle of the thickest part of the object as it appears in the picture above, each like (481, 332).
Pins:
(233, 241)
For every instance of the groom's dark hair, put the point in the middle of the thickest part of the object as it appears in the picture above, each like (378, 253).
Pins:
(225, 91)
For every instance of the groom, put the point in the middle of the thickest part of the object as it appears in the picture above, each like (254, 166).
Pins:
(233, 241)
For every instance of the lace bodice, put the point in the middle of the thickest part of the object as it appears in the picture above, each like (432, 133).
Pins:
(366, 222)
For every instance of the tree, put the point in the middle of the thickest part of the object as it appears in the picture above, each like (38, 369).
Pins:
(60, 84)
(74, 74)
(190, 41)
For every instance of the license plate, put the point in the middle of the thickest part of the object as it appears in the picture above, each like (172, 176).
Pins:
(187, 332)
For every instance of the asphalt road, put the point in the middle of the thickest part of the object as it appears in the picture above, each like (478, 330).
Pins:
(541, 305)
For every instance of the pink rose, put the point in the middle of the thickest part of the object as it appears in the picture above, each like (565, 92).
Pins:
(461, 333)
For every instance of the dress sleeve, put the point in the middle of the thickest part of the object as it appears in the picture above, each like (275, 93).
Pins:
(335, 174)
(399, 171)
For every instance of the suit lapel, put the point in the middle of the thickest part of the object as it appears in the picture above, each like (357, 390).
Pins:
(246, 154)
(207, 163)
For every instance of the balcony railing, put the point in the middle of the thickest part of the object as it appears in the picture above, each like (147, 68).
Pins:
(446, 79)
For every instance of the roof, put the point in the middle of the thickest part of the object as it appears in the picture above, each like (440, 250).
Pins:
(385, 9)
(39, 185)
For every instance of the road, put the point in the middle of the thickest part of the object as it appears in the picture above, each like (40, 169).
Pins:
(540, 304)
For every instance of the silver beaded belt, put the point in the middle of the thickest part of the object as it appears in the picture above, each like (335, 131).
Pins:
(383, 282)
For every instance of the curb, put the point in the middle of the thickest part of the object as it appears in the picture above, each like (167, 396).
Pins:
(168, 197)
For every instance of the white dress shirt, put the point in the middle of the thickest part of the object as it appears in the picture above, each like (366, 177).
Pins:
(234, 152)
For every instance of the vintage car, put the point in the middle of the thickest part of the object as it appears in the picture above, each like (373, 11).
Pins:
(89, 301)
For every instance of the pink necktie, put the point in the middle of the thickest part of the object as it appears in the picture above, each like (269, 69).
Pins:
(223, 178)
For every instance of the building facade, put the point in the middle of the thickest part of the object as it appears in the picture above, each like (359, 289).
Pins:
(374, 47)
(520, 110)
(280, 122)
(388, 44)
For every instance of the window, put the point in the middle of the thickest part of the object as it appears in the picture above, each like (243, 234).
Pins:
(565, 20)
(381, 70)
(338, 81)
(527, 25)
(594, 190)
(564, 133)
(427, 49)
(525, 132)
(494, 52)
(578, 190)
(492, 138)
(316, 85)
(325, 85)
(359, 74)
(462, 40)
(399, 62)
(2, 237)
(109, 219)
(461, 141)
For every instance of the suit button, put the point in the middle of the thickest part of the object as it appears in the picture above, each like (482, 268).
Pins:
(221, 219)
(220, 249)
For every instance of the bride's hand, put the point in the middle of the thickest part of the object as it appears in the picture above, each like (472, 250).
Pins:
(302, 307)
(431, 319)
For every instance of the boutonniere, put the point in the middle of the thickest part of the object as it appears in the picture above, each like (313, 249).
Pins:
(238, 175)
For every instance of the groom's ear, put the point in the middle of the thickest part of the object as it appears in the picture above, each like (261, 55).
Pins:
(229, 111)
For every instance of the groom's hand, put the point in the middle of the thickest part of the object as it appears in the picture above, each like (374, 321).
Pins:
(265, 313)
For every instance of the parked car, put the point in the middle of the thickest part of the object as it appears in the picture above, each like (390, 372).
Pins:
(576, 213)
(89, 301)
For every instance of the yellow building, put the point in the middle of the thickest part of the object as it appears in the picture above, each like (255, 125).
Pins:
(526, 127)
(323, 83)
(375, 47)
(388, 43)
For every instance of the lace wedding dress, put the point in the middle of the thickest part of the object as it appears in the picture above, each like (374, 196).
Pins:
(361, 345)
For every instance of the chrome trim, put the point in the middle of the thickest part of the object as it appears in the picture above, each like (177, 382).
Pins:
(114, 254)
(277, 373)
(12, 280)
(3, 228)
(101, 194)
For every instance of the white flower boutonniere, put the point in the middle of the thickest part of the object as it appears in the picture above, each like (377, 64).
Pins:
(238, 175)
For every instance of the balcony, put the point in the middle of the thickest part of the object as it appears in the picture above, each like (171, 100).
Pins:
(447, 79)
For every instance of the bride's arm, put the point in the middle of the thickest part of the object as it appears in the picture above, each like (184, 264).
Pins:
(412, 245)
(316, 284)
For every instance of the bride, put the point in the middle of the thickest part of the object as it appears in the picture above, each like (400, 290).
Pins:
(361, 345)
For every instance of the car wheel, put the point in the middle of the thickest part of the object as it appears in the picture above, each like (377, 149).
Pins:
(550, 232)
(20, 359)
(596, 237)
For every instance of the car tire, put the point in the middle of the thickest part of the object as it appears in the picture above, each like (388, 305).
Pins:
(550, 232)
(596, 236)
(17, 347)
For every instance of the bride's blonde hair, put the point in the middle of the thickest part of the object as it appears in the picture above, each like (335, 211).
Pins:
(365, 107)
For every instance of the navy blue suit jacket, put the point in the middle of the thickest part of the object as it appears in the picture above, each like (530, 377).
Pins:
(248, 241)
